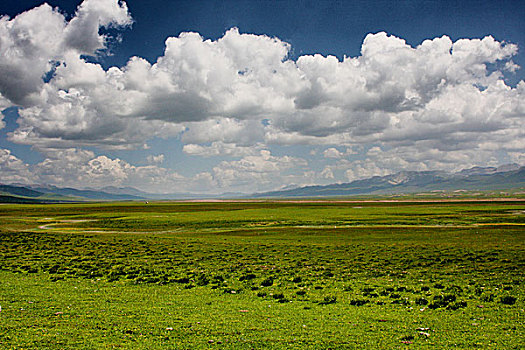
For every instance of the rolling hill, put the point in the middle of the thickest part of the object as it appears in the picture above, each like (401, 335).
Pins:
(506, 177)
(406, 182)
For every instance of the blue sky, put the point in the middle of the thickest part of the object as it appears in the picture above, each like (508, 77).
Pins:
(255, 102)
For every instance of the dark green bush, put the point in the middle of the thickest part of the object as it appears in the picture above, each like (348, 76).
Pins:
(421, 301)
(358, 302)
(278, 296)
(457, 305)
(267, 282)
(329, 299)
(297, 279)
(247, 277)
(508, 300)
(487, 297)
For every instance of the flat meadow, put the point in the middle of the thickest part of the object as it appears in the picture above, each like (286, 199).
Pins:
(263, 275)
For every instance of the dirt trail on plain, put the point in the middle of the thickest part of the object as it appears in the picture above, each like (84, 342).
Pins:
(49, 226)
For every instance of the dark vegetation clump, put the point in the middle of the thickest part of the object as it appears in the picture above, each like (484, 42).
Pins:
(442, 301)
(247, 277)
(358, 302)
(508, 300)
(329, 299)
(297, 279)
(457, 305)
(267, 282)
(489, 297)
(421, 301)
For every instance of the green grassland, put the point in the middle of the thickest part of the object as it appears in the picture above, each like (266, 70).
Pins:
(263, 275)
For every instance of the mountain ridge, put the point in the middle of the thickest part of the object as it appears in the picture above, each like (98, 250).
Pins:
(476, 178)
(508, 176)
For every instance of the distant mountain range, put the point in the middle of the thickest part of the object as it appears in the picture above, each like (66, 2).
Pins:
(510, 176)
(506, 177)
(20, 193)
(84, 194)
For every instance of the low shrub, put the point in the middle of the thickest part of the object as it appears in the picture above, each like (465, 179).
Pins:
(508, 300)
(329, 299)
(358, 302)
(267, 282)
(421, 301)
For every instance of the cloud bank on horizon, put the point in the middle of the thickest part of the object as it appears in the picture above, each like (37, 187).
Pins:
(441, 105)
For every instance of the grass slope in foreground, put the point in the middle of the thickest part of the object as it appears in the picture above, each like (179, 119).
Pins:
(263, 275)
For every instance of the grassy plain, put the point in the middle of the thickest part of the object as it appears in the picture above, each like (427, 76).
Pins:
(263, 275)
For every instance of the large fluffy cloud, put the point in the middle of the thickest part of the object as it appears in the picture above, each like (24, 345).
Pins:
(82, 168)
(32, 43)
(256, 172)
(440, 104)
(12, 169)
(391, 92)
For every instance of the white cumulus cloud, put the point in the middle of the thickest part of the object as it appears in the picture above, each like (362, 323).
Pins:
(12, 169)
(442, 103)
(152, 159)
